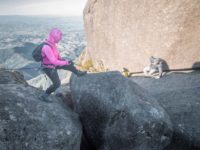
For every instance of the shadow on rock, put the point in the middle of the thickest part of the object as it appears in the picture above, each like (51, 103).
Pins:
(25, 50)
(64, 94)
(165, 66)
(196, 66)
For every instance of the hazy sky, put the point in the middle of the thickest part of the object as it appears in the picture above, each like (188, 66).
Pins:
(42, 7)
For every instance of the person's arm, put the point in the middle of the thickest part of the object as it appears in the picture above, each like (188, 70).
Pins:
(49, 54)
(59, 57)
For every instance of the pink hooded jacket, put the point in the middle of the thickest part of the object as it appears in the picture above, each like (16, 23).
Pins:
(51, 56)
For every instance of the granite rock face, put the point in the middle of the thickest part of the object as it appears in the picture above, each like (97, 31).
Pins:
(118, 114)
(125, 33)
(28, 123)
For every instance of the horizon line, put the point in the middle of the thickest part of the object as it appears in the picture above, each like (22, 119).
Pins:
(37, 15)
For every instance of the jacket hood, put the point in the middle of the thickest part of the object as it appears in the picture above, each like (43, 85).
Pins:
(55, 35)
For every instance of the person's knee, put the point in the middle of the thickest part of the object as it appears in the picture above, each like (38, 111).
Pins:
(152, 71)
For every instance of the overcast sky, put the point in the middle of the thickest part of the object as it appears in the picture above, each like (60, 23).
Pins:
(42, 7)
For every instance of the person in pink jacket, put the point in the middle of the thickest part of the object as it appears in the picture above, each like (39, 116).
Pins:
(51, 61)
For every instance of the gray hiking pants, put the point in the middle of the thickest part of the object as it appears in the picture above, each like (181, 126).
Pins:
(53, 75)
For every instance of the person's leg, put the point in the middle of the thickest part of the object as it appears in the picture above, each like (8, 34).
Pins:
(160, 70)
(53, 75)
(152, 71)
(73, 69)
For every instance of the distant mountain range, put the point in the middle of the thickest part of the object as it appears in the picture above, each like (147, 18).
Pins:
(20, 35)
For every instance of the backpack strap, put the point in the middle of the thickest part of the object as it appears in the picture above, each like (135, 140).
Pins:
(45, 43)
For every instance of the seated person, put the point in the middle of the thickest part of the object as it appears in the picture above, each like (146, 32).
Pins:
(154, 67)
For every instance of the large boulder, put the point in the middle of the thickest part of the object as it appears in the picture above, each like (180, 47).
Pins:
(27, 123)
(179, 94)
(125, 33)
(118, 114)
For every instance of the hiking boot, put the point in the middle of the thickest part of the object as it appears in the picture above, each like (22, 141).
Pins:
(81, 73)
(45, 97)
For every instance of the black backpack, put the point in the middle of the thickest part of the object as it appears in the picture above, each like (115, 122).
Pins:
(37, 52)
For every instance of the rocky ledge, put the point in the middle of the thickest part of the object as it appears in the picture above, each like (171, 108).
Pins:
(115, 113)
(27, 123)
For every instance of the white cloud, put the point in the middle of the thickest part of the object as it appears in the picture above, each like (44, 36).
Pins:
(59, 7)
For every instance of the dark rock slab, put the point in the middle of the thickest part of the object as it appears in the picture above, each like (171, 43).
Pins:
(179, 94)
(27, 123)
(117, 114)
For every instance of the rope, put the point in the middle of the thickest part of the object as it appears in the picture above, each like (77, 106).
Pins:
(38, 68)
(171, 70)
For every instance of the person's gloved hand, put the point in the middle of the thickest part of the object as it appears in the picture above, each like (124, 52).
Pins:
(71, 62)
(67, 62)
